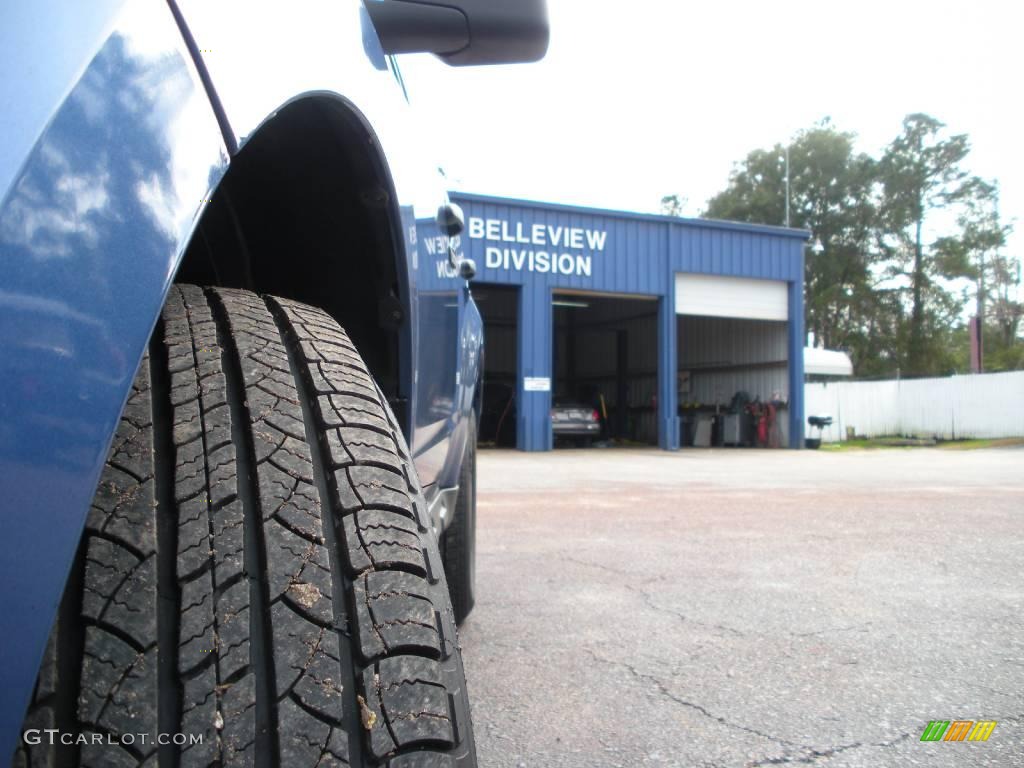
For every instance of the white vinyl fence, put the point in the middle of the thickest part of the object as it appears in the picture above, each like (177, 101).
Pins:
(978, 405)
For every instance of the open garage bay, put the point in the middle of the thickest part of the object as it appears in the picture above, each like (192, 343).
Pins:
(747, 608)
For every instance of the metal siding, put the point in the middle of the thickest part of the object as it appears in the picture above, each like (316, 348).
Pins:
(641, 255)
(743, 258)
(533, 416)
(634, 248)
(668, 407)
(722, 258)
(719, 388)
(629, 263)
(562, 220)
(610, 263)
(796, 360)
(760, 256)
(709, 342)
(734, 341)
(642, 268)
(720, 225)
(616, 269)
(739, 254)
(661, 277)
(646, 270)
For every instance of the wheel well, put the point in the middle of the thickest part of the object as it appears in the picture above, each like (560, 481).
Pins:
(306, 211)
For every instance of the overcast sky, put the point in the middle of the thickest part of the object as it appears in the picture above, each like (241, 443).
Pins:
(640, 99)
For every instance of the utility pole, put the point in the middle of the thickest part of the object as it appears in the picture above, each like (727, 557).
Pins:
(787, 185)
(980, 328)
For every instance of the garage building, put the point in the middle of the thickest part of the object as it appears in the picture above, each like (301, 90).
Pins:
(667, 327)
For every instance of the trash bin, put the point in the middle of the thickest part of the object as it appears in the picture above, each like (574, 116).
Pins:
(819, 423)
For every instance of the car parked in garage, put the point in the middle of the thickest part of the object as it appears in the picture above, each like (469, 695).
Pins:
(237, 447)
(575, 422)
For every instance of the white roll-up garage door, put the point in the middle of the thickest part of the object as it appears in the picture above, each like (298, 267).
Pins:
(717, 296)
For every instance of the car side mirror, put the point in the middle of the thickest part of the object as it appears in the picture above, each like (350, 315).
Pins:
(451, 220)
(463, 32)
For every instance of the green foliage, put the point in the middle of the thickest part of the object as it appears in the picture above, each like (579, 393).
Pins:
(831, 195)
(976, 252)
(1005, 312)
(673, 205)
(895, 240)
(920, 175)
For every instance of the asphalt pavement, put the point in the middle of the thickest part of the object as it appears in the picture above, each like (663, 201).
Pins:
(747, 608)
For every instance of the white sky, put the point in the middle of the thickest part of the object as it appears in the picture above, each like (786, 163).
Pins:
(637, 100)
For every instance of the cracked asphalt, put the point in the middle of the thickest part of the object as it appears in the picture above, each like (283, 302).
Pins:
(747, 608)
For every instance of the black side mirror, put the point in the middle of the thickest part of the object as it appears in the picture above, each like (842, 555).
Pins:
(463, 32)
(450, 219)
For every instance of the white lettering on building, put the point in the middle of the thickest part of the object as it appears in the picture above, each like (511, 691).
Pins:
(445, 269)
(515, 260)
(439, 244)
(543, 259)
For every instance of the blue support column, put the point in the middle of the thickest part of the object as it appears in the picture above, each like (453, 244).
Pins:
(668, 411)
(796, 365)
(536, 334)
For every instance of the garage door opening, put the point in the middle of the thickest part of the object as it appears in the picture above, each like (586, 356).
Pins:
(499, 308)
(733, 360)
(733, 382)
(605, 364)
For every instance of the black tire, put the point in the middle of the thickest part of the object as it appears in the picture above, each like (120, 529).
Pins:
(257, 568)
(458, 543)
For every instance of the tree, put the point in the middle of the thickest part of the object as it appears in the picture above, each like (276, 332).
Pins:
(673, 205)
(976, 251)
(921, 175)
(997, 277)
(1006, 351)
(897, 236)
(831, 188)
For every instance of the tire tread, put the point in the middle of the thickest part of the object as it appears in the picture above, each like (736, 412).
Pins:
(284, 599)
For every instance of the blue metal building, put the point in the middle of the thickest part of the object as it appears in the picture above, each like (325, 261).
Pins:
(702, 309)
